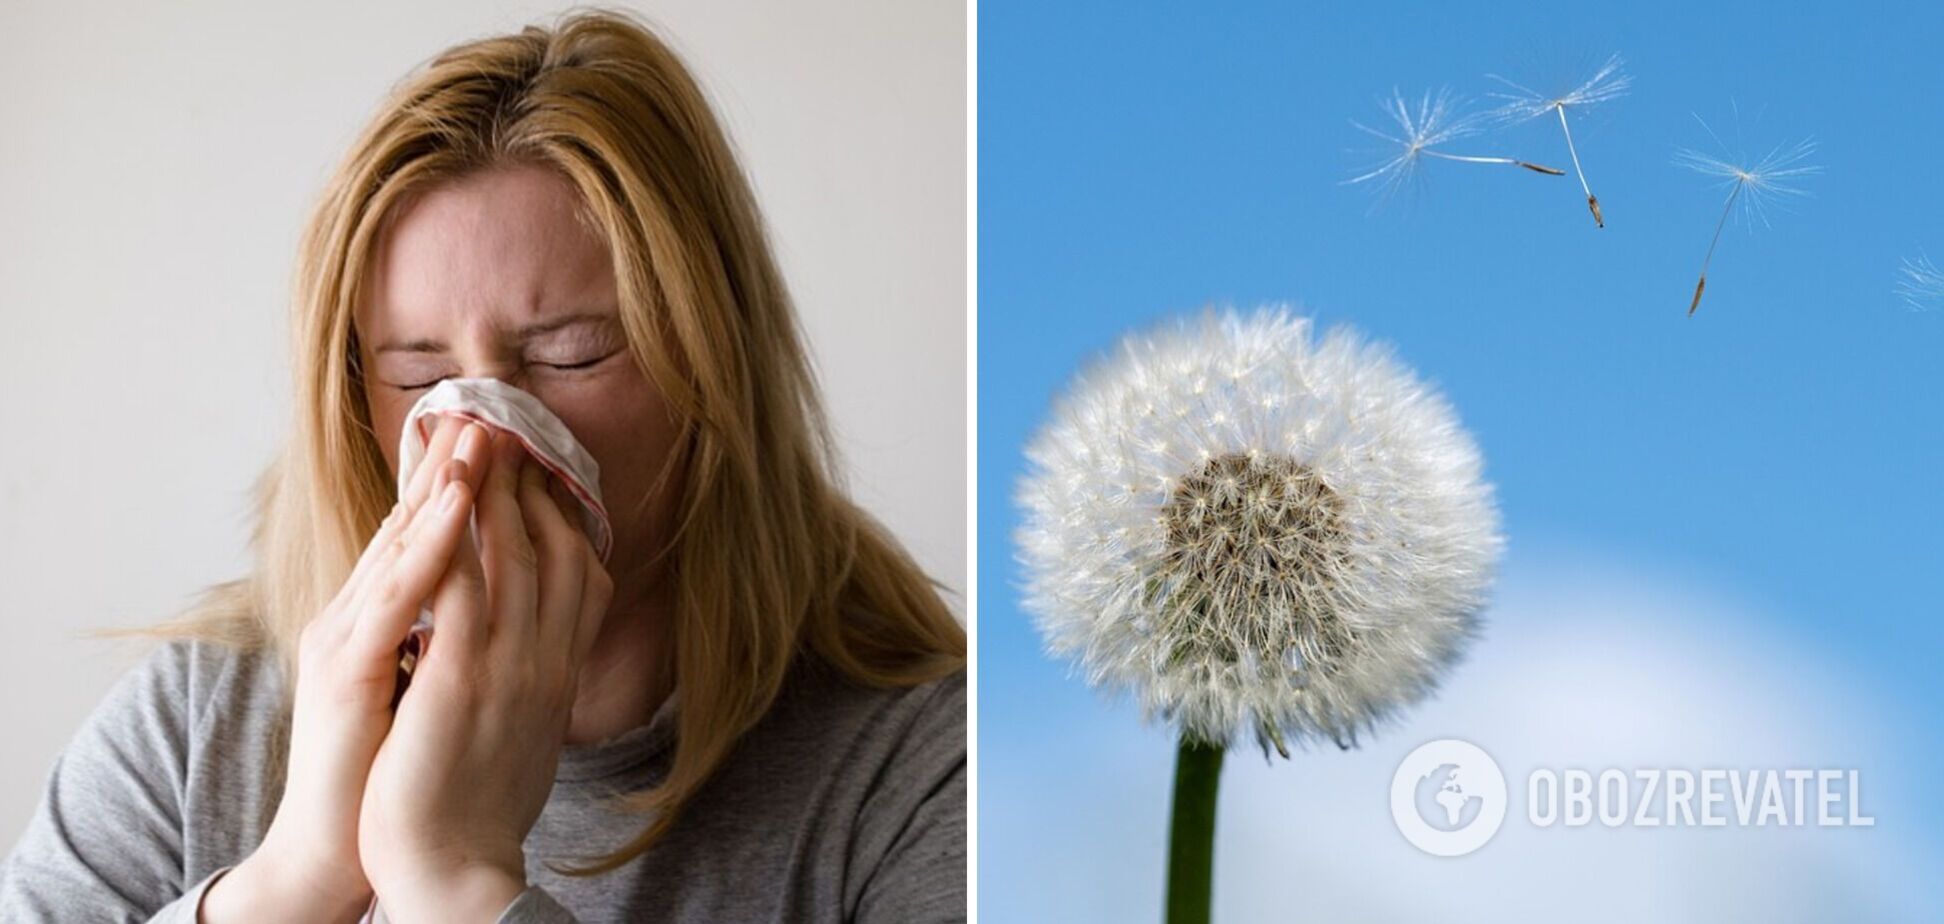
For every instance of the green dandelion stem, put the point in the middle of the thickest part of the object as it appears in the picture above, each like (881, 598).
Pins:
(1191, 837)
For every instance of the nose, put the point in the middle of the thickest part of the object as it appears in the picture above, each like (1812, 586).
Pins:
(510, 374)
(517, 378)
(485, 354)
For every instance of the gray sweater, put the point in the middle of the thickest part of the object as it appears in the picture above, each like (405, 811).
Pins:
(843, 804)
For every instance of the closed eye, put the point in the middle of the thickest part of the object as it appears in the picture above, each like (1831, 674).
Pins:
(564, 367)
(569, 367)
(573, 365)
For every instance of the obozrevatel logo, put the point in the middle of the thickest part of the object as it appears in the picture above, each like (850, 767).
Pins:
(1448, 797)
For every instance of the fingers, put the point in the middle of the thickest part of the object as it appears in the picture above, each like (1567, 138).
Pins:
(474, 449)
(455, 440)
(459, 608)
(597, 592)
(570, 506)
(506, 554)
(597, 586)
(526, 578)
(390, 538)
(389, 529)
(416, 560)
(558, 548)
(445, 435)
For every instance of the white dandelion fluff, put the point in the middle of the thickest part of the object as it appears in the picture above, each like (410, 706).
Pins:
(1436, 120)
(1249, 528)
(1609, 82)
(1755, 186)
(1921, 284)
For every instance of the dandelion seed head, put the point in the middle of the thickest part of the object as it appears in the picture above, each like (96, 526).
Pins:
(1921, 284)
(1608, 82)
(1434, 120)
(1308, 540)
(1765, 183)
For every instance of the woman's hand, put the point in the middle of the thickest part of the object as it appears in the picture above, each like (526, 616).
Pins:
(307, 866)
(470, 759)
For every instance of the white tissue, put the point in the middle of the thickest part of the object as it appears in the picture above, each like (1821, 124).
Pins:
(498, 405)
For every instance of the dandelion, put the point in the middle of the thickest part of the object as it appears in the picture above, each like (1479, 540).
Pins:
(1434, 121)
(1754, 188)
(1921, 284)
(1250, 529)
(1607, 83)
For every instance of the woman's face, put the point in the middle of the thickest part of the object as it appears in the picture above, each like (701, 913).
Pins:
(492, 276)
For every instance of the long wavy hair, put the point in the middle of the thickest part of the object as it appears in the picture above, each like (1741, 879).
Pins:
(770, 558)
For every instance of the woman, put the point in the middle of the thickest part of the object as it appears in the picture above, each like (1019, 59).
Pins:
(754, 711)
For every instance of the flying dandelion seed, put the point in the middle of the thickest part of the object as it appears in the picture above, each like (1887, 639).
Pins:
(1754, 188)
(1607, 83)
(1250, 529)
(1921, 284)
(1433, 122)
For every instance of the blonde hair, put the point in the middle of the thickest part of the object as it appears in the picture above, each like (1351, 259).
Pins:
(770, 559)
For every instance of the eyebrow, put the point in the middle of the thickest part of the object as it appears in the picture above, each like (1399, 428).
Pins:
(525, 333)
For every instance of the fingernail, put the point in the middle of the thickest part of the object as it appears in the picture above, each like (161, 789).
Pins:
(450, 498)
(467, 440)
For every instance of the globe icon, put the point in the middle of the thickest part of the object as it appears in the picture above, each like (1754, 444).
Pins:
(1443, 800)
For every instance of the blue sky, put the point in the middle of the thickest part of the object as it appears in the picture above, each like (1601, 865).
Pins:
(1762, 478)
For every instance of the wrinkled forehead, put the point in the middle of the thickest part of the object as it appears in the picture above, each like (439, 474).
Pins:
(507, 247)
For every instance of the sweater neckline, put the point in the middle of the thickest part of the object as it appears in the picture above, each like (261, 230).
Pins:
(599, 760)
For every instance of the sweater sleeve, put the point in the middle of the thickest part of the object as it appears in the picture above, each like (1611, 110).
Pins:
(913, 824)
(105, 840)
